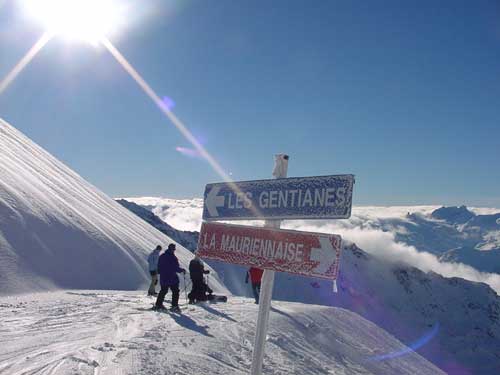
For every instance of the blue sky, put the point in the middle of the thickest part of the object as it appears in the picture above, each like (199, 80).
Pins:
(405, 95)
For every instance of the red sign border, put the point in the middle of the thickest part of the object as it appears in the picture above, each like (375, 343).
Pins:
(268, 229)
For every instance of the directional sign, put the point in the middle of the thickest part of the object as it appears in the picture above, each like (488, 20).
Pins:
(302, 253)
(325, 197)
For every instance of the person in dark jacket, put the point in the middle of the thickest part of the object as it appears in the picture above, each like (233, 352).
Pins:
(168, 268)
(255, 275)
(200, 288)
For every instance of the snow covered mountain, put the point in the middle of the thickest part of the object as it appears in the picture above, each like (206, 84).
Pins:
(481, 238)
(109, 333)
(486, 260)
(59, 231)
(453, 215)
(188, 239)
(453, 322)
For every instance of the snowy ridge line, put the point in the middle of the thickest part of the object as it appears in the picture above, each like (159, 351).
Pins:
(59, 231)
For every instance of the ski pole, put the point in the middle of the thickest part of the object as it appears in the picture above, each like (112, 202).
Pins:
(185, 292)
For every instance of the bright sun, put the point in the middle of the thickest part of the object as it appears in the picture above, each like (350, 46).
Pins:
(89, 20)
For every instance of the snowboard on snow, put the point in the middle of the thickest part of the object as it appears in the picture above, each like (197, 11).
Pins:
(216, 298)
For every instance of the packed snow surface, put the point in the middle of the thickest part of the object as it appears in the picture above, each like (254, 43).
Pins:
(108, 332)
(59, 231)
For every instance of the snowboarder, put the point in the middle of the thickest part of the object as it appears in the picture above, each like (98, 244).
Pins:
(153, 270)
(200, 288)
(168, 267)
(255, 275)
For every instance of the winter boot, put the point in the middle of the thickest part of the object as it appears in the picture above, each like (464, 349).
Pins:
(175, 309)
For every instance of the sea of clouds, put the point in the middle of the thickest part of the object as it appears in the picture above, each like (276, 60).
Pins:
(362, 228)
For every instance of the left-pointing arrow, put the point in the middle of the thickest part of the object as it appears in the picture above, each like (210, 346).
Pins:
(212, 201)
(325, 255)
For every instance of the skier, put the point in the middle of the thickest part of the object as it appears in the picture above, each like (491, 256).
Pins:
(153, 270)
(200, 288)
(255, 275)
(168, 267)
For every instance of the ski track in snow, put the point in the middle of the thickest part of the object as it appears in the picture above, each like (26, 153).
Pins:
(108, 332)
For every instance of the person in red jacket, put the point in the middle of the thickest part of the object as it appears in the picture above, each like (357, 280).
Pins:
(255, 275)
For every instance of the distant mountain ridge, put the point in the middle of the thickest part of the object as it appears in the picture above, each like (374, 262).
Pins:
(453, 215)
(187, 239)
(454, 234)
(486, 261)
(481, 238)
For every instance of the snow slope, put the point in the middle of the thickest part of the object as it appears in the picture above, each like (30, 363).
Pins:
(59, 231)
(107, 333)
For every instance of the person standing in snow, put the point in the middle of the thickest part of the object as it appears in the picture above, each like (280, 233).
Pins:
(153, 269)
(200, 288)
(168, 267)
(255, 275)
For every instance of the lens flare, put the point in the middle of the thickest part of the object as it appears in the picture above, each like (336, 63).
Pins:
(11, 76)
(169, 103)
(148, 90)
(411, 348)
(188, 152)
(92, 20)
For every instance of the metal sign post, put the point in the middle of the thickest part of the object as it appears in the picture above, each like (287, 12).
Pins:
(266, 291)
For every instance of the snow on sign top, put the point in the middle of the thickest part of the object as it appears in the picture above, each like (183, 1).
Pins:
(324, 197)
(302, 253)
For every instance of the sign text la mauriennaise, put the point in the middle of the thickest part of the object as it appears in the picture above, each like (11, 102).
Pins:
(302, 253)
